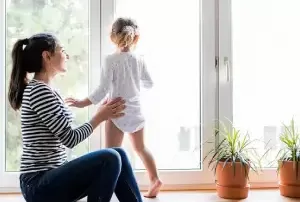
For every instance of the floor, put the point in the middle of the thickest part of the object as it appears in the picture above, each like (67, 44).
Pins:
(201, 196)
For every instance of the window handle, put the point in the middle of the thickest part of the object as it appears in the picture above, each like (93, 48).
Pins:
(227, 66)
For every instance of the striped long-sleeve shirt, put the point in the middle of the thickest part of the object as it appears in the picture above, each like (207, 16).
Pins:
(46, 129)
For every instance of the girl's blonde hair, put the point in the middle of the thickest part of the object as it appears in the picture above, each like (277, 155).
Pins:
(124, 32)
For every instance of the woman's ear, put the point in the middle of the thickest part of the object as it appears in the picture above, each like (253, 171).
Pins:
(46, 56)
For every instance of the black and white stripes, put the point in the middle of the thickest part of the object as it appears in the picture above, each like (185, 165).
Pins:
(46, 128)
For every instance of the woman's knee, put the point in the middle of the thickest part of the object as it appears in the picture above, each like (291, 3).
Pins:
(121, 152)
(111, 157)
(113, 154)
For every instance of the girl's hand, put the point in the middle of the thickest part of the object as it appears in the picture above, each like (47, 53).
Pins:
(75, 102)
(111, 109)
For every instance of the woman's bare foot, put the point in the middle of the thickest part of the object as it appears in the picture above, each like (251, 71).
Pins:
(154, 189)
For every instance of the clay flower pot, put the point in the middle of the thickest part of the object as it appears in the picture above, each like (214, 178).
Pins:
(232, 184)
(289, 183)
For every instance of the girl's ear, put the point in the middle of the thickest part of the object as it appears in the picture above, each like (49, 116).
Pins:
(136, 39)
(113, 38)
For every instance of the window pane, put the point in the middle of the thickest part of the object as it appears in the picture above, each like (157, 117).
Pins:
(170, 42)
(265, 48)
(68, 20)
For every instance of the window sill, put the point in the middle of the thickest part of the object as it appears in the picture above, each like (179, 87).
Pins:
(177, 187)
(186, 196)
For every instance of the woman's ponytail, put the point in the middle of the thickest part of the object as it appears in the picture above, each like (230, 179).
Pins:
(18, 79)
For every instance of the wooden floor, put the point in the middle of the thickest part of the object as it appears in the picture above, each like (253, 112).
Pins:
(201, 196)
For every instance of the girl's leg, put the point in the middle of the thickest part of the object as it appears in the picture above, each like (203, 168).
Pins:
(127, 188)
(113, 136)
(94, 175)
(137, 140)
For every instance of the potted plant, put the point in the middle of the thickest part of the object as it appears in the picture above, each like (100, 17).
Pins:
(289, 161)
(231, 160)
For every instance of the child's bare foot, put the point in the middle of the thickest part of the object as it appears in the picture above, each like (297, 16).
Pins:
(154, 189)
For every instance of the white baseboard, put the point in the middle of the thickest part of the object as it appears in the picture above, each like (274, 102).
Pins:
(178, 187)
(10, 190)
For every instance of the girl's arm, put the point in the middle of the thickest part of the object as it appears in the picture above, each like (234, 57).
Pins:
(106, 78)
(78, 103)
(145, 76)
(99, 93)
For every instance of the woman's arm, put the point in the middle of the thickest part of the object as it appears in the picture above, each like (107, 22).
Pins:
(45, 103)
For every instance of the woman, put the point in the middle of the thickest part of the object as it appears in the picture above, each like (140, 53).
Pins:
(46, 131)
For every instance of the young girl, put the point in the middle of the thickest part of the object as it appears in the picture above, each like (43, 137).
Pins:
(122, 75)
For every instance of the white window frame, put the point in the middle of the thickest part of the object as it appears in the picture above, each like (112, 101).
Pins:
(2, 89)
(268, 177)
(186, 179)
(101, 12)
(9, 181)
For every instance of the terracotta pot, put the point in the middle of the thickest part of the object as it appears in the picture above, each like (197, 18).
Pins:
(289, 184)
(230, 184)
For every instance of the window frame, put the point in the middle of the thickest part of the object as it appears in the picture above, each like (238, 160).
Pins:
(189, 179)
(268, 177)
(10, 180)
(2, 89)
(102, 12)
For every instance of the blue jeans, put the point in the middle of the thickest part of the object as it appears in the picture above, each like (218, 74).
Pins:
(96, 175)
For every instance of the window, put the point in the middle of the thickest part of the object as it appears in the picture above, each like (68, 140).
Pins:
(25, 19)
(264, 73)
(175, 108)
(71, 25)
(180, 109)
(169, 120)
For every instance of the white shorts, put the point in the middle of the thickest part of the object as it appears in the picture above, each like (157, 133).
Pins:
(129, 123)
(133, 120)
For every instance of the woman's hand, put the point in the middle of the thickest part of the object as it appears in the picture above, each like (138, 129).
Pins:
(112, 109)
(109, 110)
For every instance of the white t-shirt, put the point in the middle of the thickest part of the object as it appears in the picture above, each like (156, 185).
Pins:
(122, 76)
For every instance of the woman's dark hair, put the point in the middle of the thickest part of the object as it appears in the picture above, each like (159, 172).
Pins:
(27, 58)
